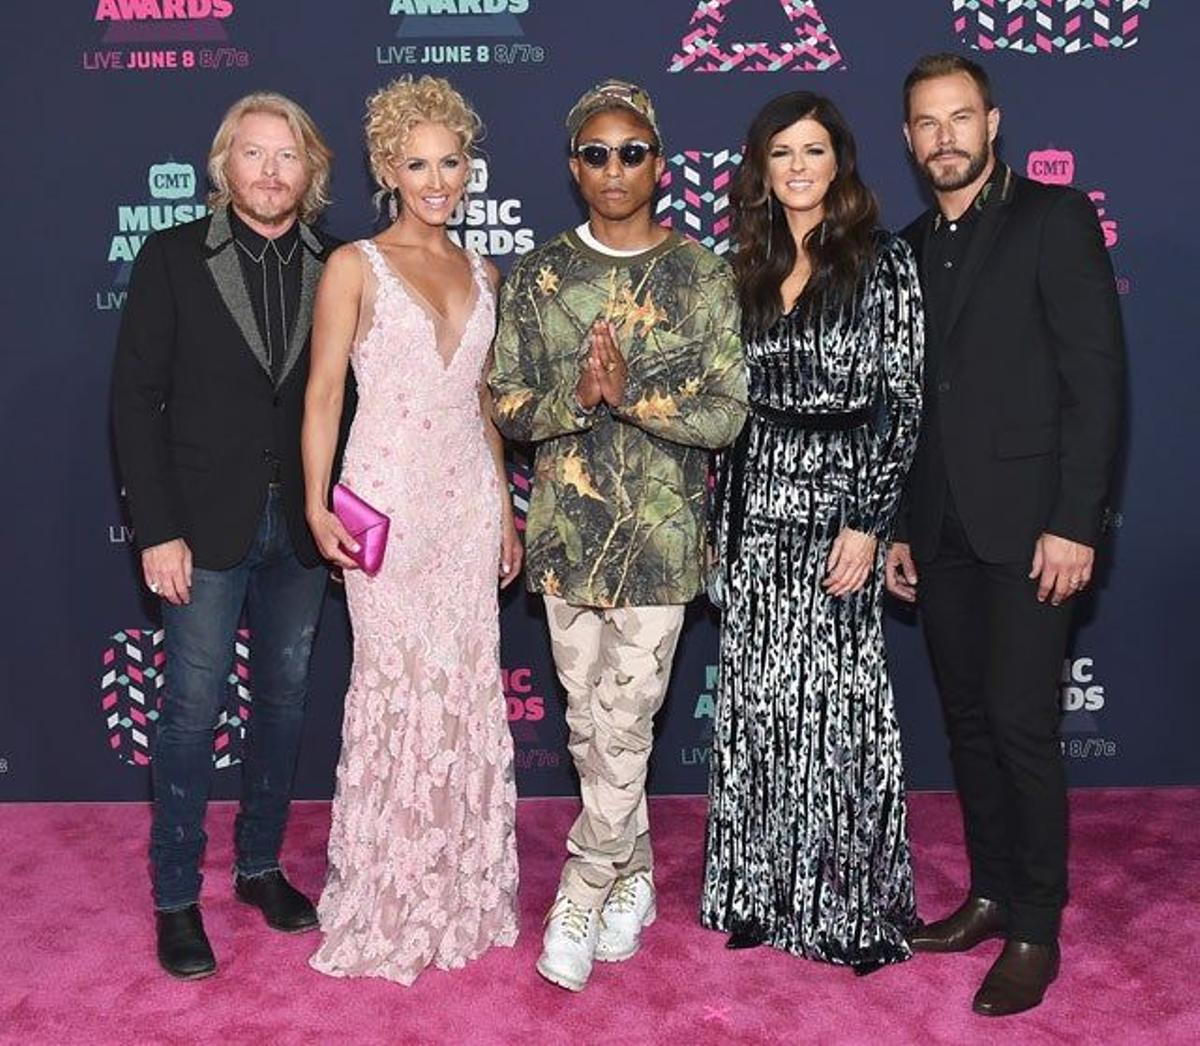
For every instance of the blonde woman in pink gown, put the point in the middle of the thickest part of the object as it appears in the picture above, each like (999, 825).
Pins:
(422, 851)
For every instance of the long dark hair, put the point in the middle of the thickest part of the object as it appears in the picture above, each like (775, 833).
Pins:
(838, 248)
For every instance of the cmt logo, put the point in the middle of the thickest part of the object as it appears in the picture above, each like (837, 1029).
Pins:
(694, 196)
(1052, 166)
(1057, 167)
(1048, 26)
(478, 176)
(172, 181)
(133, 671)
(705, 48)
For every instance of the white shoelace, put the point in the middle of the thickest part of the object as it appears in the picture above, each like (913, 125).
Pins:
(574, 919)
(623, 897)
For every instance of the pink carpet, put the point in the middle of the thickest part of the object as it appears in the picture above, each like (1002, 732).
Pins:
(78, 955)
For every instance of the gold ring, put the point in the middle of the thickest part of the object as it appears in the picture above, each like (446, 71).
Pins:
(610, 367)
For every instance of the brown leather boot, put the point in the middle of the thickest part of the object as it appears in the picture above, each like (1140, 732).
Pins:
(1018, 979)
(976, 919)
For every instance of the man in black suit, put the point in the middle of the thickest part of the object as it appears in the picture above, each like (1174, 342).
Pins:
(1024, 376)
(208, 395)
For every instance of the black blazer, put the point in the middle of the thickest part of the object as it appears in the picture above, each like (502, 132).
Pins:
(198, 420)
(1024, 389)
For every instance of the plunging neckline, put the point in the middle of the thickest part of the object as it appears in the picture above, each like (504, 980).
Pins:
(427, 307)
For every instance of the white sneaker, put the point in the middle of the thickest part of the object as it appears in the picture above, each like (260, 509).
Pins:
(630, 907)
(569, 944)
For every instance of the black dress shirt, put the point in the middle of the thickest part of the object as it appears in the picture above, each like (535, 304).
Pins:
(948, 243)
(272, 272)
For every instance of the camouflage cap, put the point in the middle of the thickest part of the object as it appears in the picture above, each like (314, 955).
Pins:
(612, 94)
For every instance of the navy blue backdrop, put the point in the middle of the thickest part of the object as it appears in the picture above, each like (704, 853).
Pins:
(110, 108)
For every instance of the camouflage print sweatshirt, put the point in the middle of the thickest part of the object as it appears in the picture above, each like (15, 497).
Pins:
(619, 495)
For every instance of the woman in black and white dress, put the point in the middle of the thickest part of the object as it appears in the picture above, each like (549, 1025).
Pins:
(807, 846)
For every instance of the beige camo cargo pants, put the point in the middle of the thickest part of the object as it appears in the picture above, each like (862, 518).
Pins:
(615, 665)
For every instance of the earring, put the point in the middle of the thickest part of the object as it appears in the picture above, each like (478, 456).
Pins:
(770, 222)
(394, 205)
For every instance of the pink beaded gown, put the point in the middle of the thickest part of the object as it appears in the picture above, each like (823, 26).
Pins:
(422, 849)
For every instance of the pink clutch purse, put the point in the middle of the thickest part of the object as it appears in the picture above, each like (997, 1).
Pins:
(368, 526)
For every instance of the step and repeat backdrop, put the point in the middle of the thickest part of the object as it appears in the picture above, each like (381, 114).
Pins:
(111, 105)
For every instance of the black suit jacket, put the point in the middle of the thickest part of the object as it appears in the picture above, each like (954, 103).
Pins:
(1024, 387)
(199, 422)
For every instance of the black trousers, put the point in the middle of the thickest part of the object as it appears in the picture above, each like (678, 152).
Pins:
(997, 655)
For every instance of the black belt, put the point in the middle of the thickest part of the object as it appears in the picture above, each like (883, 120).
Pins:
(823, 421)
(732, 484)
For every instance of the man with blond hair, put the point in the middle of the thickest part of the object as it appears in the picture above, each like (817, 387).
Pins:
(207, 398)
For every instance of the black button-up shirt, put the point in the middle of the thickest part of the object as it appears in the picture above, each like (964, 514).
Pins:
(271, 269)
(949, 241)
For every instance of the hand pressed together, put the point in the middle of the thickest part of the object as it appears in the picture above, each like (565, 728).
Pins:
(604, 372)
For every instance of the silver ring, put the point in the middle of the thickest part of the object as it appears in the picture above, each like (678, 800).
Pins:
(153, 586)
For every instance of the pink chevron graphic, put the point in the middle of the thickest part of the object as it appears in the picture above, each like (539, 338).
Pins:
(1048, 26)
(703, 51)
(520, 484)
(133, 672)
(694, 197)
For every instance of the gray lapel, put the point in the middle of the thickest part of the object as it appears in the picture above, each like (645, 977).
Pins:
(310, 273)
(227, 273)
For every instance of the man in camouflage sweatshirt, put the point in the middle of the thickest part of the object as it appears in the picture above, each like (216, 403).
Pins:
(619, 355)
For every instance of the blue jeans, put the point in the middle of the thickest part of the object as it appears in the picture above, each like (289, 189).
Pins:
(282, 599)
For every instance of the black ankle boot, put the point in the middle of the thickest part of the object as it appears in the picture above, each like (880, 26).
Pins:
(183, 948)
(283, 906)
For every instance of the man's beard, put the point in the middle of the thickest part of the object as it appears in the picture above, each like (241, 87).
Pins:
(283, 212)
(951, 181)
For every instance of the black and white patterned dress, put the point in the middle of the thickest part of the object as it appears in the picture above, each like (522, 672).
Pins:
(807, 836)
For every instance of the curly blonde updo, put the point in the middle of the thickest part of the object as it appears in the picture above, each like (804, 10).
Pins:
(393, 111)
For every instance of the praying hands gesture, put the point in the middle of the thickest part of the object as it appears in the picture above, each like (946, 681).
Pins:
(604, 371)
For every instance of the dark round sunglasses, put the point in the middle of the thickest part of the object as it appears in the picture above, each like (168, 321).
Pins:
(631, 154)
